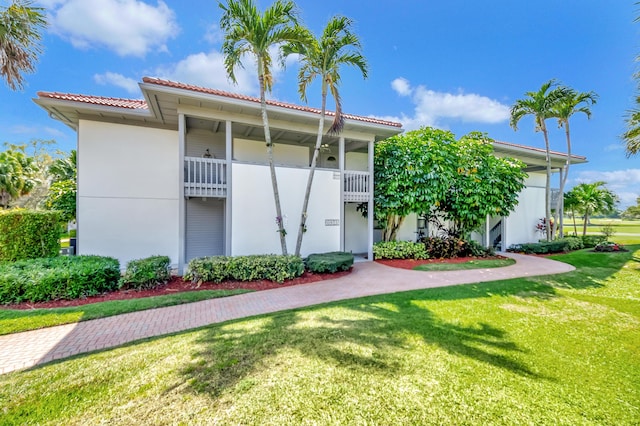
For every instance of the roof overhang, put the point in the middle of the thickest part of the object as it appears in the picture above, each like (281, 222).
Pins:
(535, 158)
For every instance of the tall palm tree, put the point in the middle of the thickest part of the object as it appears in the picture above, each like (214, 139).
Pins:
(632, 136)
(323, 58)
(540, 105)
(593, 198)
(248, 31)
(573, 102)
(20, 26)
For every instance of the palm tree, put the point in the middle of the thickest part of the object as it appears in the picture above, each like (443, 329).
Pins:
(632, 136)
(16, 176)
(323, 58)
(593, 198)
(20, 26)
(247, 31)
(572, 204)
(572, 103)
(540, 105)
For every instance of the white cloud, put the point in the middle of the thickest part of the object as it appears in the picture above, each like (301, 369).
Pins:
(129, 84)
(207, 70)
(431, 106)
(614, 147)
(128, 27)
(625, 183)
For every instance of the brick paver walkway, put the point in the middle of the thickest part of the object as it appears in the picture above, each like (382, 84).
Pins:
(23, 350)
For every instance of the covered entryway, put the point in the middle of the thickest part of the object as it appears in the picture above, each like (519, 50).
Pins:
(205, 227)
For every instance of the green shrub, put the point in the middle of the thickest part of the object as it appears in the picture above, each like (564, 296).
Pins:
(29, 234)
(147, 273)
(449, 247)
(544, 247)
(270, 267)
(399, 250)
(329, 262)
(64, 277)
(608, 246)
(590, 241)
(573, 243)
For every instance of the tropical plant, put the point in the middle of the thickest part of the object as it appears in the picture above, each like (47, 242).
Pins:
(62, 197)
(540, 105)
(323, 58)
(16, 176)
(632, 212)
(593, 198)
(428, 172)
(20, 27)
(572, 204)
(64, 168)
(250, 32)
(571, 103)
(631, 137)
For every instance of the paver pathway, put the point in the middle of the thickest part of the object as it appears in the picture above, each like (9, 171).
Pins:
(27, 349)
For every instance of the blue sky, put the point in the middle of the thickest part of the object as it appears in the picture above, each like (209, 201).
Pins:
(457, 65)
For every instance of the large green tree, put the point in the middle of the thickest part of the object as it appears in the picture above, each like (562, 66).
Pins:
(16, 176)
(322, 58)
(247, 31)
(62, 192)
(593, 198)
(632, 212)
(571, 103)
(540, 105)
(20, 26)
(428, 171)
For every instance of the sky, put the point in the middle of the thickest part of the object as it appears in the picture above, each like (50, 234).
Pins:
(457, 65)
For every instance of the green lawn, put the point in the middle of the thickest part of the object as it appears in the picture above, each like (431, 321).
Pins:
(14, 321)
(472, 264)
(619, 226)
(548, 350)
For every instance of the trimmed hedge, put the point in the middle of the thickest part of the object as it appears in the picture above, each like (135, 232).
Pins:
(329, 262)
(147, 273)
(544, 247)
(270, 267)
(399, 250)
(29, 234)
(64, 277)
(590, 241)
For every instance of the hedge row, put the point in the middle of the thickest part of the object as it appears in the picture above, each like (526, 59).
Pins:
(272, 267)
(147, 273)
(399, 250)
(29, 234)
(64, 277)
(329, 262)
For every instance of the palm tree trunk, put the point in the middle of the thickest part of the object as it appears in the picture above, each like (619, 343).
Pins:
(586, 220)
(575, 228)
(563, 181)
(547, 191)
(274, 181)
(307, 193)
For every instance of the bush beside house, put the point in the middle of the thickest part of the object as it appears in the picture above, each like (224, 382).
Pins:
(29, 234)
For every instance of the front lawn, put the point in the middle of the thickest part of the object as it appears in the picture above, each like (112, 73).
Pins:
(14, 321)
(548, 350)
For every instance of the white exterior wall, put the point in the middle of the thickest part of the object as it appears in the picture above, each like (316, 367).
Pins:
(128, 191)
(356, 161)
(254, 229)
(256, 152)
(521, 223)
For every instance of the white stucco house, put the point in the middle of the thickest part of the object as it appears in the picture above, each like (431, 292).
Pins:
(184, 173)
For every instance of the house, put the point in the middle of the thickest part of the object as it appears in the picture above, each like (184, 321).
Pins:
(184, 173)
(520, 226)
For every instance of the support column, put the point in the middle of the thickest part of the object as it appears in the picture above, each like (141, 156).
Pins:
(182, 128)
(228, 211)
(487, 230)
(342, 202)
(370, 204)
(562, 171)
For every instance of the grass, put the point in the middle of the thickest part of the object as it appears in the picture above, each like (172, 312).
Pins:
(557, 349)
(472, 264)
(619, 226)
(14, 321)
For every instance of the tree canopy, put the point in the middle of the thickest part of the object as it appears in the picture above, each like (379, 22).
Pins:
(428, 171)
(592, 198)
(17, 173)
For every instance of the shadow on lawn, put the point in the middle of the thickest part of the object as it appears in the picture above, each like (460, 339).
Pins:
(370, 339)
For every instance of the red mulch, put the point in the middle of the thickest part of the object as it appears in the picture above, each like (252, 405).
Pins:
(412, 263)
(177, 285)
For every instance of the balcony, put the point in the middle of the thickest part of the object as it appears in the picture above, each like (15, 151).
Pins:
(205, 177)
(356, 186)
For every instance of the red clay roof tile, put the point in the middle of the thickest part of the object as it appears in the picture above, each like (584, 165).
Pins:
(96, 100)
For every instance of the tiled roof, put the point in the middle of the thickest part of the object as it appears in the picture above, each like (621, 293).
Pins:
(199, 89)
(96, 100)
(530, 148)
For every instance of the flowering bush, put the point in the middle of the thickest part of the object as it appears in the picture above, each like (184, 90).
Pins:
(608, 246)
(541, 226)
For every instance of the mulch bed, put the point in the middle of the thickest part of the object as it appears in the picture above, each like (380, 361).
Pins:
(177, 285)
(412, 263)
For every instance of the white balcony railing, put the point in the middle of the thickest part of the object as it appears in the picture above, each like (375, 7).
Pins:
(356, 186)
(205, 177)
